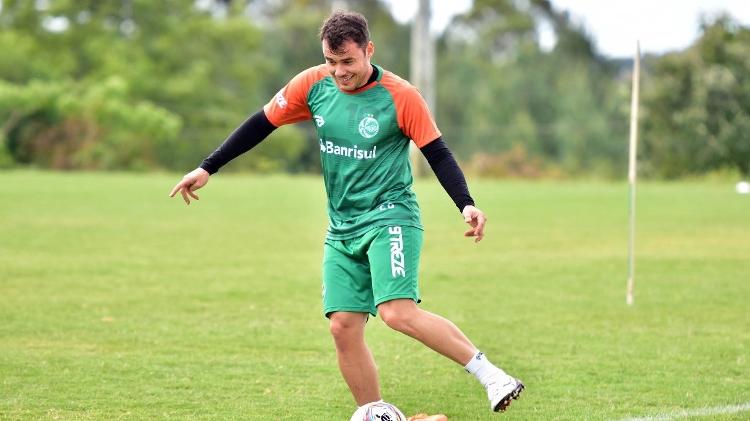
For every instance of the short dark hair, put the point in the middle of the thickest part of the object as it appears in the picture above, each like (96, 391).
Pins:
(344, 26)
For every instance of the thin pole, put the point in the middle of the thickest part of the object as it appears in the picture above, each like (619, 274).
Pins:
(422, 72)
(632, 171)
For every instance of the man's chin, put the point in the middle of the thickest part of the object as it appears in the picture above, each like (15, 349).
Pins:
(346, 87)
(349, 85)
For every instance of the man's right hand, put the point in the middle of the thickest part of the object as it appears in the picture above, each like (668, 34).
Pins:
(191, 182)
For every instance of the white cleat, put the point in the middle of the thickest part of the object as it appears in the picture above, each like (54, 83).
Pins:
(502, 390)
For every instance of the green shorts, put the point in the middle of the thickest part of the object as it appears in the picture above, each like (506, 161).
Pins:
(379, 266)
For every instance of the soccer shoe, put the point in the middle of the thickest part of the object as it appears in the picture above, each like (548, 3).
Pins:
(502, 390)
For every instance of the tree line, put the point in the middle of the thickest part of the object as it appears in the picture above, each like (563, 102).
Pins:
(143, 85)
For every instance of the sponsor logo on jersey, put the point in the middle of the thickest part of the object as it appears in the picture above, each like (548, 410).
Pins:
(319, 121)
(397, 252)
(355, 152)
(368, 127)
(281, 100)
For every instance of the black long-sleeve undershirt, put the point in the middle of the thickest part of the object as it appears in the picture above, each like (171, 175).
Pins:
(447, 171)
(247, 136)
(256, 128)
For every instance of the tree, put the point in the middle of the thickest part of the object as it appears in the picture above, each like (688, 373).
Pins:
(559, 107)
(170, 57)
(697, 105)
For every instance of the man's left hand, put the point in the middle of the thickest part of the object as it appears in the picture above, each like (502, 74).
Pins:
(476, 219)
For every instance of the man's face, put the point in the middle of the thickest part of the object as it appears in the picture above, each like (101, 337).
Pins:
(350, 65)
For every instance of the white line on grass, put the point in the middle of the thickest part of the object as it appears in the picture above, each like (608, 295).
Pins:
(699, 412)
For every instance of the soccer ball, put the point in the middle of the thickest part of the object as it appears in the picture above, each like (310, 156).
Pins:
(378, 411)
(743, 187)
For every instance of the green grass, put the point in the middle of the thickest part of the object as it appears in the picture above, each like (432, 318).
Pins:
(119, 303)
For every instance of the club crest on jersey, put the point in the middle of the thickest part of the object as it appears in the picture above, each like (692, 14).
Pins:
(368, 127)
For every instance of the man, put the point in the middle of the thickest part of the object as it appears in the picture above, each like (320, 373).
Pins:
(365, 117)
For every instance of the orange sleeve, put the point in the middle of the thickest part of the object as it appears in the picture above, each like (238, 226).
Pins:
(413, 116)
(289, 105)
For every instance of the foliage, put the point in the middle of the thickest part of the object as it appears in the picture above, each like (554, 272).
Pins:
(66, 125)
(698, 105)
(561, 105)
(513, 163)
(164, 80)
(137, 84)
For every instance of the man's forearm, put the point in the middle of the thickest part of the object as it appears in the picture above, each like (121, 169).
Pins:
(248, 135)
(448, 172)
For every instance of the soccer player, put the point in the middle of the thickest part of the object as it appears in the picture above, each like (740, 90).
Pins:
(365, 117)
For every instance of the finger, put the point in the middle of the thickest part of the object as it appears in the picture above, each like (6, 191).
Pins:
(177, 187)
(185, 196)
(192, 194)
(469, 233)
(479, 227)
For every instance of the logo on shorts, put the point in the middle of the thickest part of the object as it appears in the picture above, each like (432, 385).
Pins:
(368, 127)
(397, 252)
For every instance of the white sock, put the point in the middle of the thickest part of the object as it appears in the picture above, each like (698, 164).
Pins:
(482, 368)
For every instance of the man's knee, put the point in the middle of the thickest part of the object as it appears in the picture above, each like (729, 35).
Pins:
(398, 315)
(346, 325)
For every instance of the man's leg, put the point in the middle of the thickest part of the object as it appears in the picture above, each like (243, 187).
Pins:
(438, 333)
(394, 265)
(347, 302)
(446, 338)
(355, 359)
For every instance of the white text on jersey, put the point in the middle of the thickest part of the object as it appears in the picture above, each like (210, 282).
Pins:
(354, 152)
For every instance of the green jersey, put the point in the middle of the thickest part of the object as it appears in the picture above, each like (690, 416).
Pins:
(364, 138)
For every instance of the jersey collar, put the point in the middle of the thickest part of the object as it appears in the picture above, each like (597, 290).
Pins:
(377, 74)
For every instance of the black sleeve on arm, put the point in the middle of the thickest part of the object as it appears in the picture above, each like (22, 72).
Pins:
(448, 173)
(247, 136)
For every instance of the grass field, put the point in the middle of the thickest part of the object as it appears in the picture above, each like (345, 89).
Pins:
(119, 303)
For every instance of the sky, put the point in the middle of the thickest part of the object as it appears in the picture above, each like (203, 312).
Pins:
(615, 25)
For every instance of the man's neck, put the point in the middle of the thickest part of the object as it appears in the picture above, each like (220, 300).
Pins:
(373, 75)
